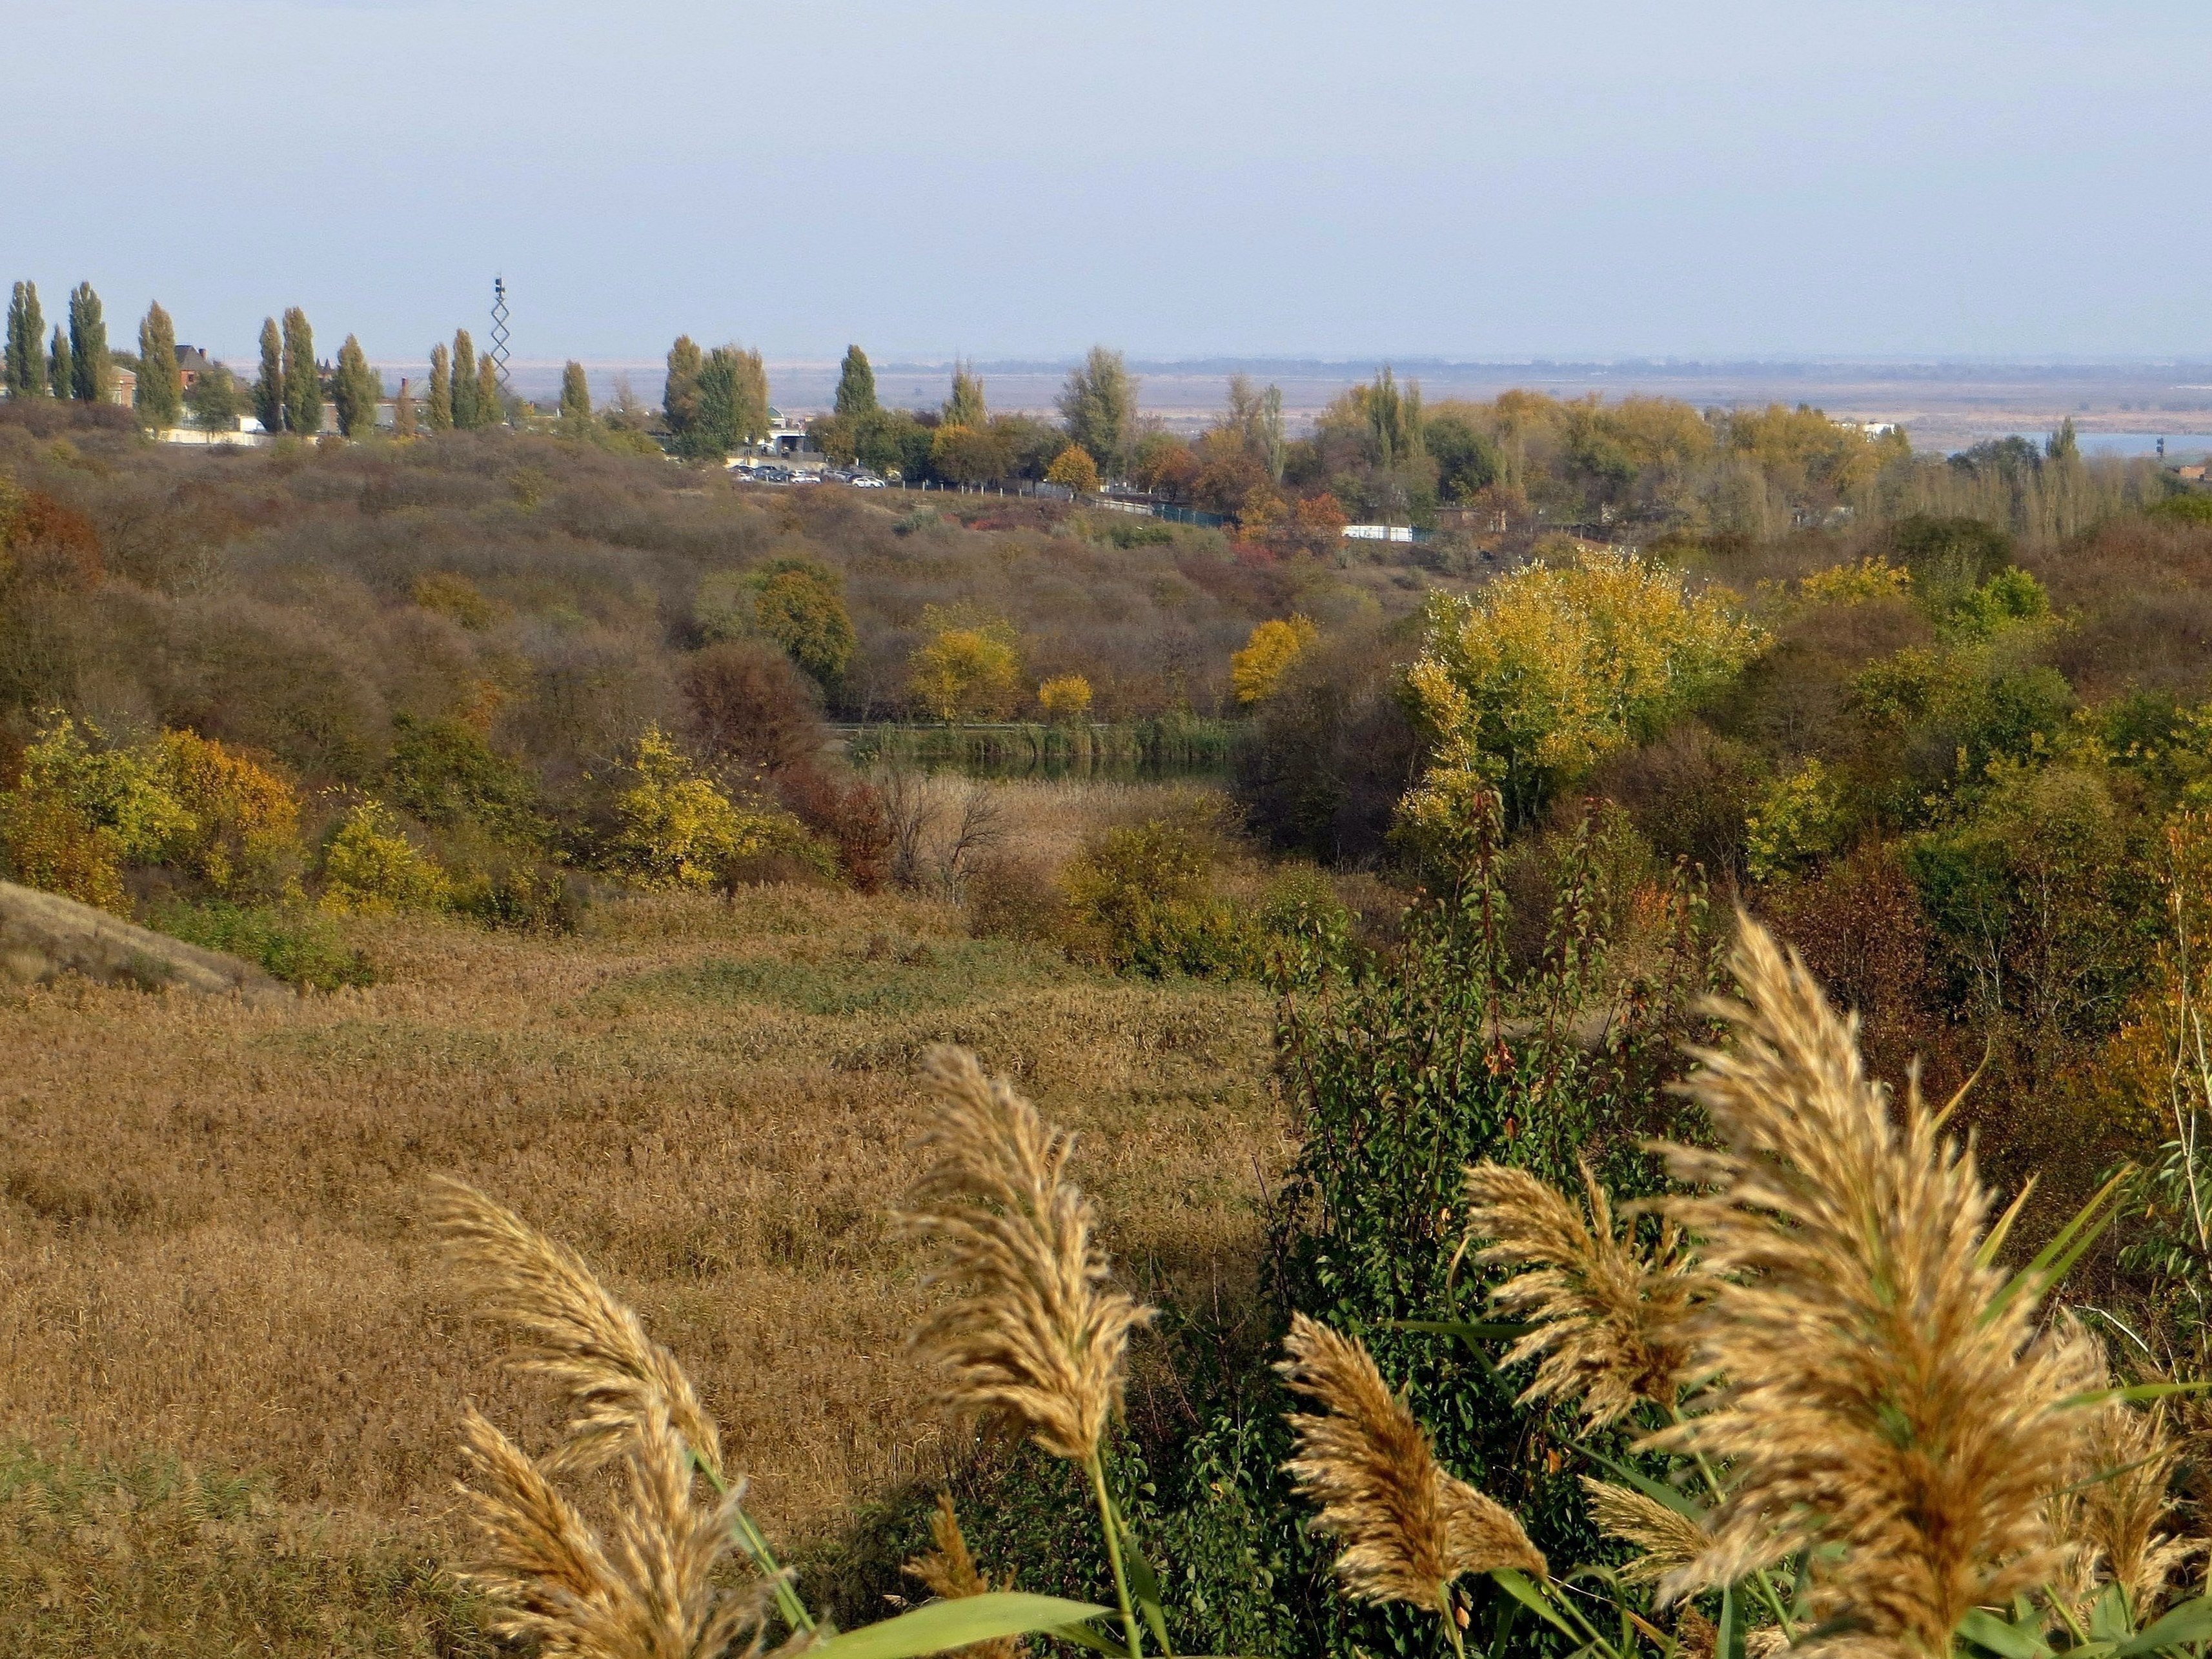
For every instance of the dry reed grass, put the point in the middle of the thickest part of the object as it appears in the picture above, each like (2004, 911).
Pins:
(1408, 1530)
(2118, 1529)
(1608, 1317)
(1033, 1337)
(646, 1591)
(1881, 1395)
(949, 1573)
(1048, 820)
(210, 1231)
(1665, 1540)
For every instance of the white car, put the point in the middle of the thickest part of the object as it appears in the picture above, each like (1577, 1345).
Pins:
(868, 481)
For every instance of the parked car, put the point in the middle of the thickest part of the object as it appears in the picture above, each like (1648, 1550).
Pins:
(868, 481)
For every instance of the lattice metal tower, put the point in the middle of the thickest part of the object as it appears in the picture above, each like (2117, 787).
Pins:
(499, 335)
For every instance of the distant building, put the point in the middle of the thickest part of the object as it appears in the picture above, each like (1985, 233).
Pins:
(1871, 428)
(787, 436)
(126, 389)
(191, 363)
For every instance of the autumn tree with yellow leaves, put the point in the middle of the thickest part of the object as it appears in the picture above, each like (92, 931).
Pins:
(1549, 670)
(1274, 647)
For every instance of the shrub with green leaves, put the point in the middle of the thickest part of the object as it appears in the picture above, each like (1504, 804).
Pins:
(291, 942)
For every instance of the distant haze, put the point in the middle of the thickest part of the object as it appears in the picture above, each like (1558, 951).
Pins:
(1720, 180)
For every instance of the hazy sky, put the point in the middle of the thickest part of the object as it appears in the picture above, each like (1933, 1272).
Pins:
(1202, 178)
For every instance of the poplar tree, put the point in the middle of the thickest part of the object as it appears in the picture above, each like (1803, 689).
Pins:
(268, 389)
(355, 389)
(576, 395)
(464, 380)
(679, 395)
(1099, 404)
(61, 373)
(965, 408)
(161, 388)
(303, 386)
(856, 386)
(441, 411)
(92, 374)
(25, 374)
(492, 403)
(403, 410)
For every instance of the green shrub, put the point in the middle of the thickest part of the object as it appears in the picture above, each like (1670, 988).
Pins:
(1138, 902)
(444, 772)
(290, 942)
(2193, 508)
(1404, 1070)
(522, 895)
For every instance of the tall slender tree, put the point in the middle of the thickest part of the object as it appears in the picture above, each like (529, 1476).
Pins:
(1099, 404)
(402, 409)
(679, 394)
(965, 408)
(439, 412)
(303, 381)
(61, 373)
(26, 375)
(161, 387)
(856, 386)
(464, 380)
(491, 401)
(576, 396)
(92, 371)
(355, 389)
(268, 388)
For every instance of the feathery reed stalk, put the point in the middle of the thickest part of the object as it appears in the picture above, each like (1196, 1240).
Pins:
(618, 1380)
(2113, 1521)
(646, 1592)
(1608, 1319)
(1665, 1538)
(1409, 1530)
(949, 1573)
(1880, 1391)
(1033, 1338)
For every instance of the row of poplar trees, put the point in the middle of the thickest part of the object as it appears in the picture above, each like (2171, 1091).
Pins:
(288, 396)
(714, 401)
(76, 366)
(288, 393)
(465, 389)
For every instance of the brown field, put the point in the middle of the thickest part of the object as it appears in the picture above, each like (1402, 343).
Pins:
(209, 1243)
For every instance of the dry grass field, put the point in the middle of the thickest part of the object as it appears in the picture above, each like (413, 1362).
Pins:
(210, 1249)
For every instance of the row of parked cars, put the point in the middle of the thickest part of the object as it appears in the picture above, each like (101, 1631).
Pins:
(859, 478)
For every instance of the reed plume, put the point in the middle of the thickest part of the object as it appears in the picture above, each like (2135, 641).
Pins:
(1608, 1319)
(575, 1332)
(645, 1591)
(1665, 1538)
(2113, 1521)
(1879, 1395)
(950, 1572)
(1034, 1338)
(1407, 1528)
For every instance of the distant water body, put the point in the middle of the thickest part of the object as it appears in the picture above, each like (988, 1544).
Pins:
(2131, 443)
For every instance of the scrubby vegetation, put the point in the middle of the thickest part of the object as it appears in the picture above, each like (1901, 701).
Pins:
(516, 752)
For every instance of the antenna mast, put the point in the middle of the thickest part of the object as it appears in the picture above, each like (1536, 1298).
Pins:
(499, 335)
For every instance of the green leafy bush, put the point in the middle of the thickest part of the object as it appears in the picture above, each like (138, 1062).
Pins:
(291, 942)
